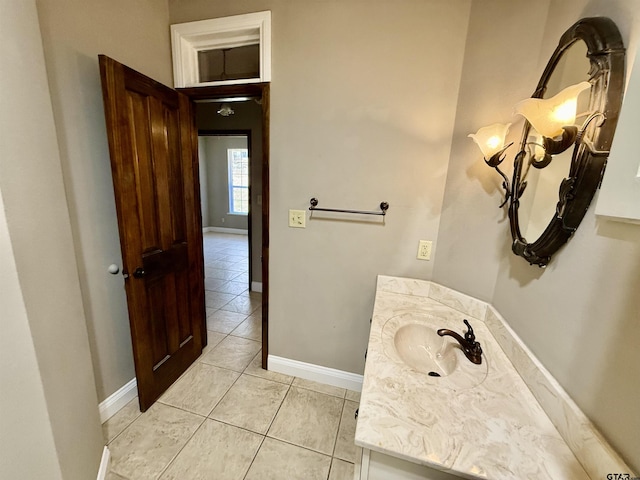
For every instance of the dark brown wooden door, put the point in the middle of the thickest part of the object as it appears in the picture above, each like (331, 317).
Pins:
(153, 146)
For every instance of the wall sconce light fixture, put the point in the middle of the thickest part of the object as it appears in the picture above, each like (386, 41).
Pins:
(491, 140)
(552, 118)
(559, 162)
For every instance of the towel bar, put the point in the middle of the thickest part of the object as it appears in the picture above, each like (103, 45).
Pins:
(384, 206)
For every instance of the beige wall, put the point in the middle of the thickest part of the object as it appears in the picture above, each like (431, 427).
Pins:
(580, 314)
(74, 33)
(25, 429)
(363, 100)
(474, 232)
(49, 409)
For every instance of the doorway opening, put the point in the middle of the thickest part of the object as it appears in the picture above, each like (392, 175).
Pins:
(230, 283)
(232, 123)
(225, 193)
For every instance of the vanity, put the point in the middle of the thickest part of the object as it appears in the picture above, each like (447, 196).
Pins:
(471, 421)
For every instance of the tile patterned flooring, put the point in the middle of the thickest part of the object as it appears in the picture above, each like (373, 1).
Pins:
(226, 418)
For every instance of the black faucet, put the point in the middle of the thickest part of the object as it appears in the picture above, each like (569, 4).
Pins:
(470, 347)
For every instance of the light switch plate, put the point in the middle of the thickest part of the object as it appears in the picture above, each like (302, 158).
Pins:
(297, 218)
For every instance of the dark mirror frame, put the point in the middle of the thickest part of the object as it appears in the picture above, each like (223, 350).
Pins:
(607, 56)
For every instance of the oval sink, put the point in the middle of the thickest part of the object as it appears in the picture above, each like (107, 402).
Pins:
(420, 347)
(411, 339)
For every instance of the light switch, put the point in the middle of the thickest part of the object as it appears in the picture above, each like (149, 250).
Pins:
(297, 218)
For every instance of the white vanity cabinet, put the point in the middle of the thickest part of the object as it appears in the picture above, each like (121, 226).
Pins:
(372, 465)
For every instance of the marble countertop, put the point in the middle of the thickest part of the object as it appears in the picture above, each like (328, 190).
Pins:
(495, 429)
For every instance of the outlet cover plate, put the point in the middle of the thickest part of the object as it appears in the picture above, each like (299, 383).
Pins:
(424, 250)
(297, 218)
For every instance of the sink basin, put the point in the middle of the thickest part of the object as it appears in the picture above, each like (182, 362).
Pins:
(411, 339)
(420, 347)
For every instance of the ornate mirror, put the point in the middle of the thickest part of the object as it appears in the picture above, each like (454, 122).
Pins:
(557, 174)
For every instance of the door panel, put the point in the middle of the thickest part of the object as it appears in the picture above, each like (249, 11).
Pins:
(154, 164)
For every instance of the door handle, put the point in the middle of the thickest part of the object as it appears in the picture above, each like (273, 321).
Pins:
(139, 272)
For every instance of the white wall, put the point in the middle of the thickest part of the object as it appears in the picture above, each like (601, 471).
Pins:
(580, 314)
(49, 409)
(363, 100)
(74, 33)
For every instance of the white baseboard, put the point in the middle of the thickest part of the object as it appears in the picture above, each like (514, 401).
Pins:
(104, 464)
(235, 231)
(256, 286)
(317, 373)
(117, 400)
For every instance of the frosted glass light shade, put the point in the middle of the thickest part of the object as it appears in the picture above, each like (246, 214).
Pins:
(491, 139)
(548, 116)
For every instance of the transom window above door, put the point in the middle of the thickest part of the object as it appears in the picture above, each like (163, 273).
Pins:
(222, 51)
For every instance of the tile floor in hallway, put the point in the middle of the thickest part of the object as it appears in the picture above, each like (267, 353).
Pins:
(226, 418)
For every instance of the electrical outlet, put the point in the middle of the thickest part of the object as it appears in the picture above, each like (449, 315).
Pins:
(424, 250)
(297, 218)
